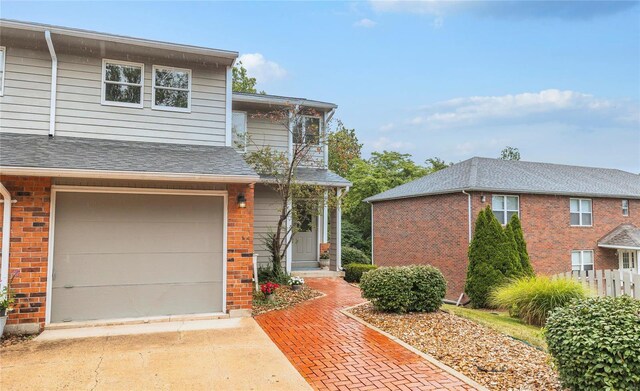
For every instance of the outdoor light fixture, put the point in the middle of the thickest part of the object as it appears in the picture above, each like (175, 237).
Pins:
(242, 202)
(483, 198)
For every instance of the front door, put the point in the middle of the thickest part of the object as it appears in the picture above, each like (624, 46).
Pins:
(628, 260)
(305, 239)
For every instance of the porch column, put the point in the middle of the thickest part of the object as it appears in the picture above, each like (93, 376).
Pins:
(289, 254)
(325, 218)
(335, 251)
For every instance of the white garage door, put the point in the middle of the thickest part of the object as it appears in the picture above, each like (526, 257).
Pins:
(136, 255)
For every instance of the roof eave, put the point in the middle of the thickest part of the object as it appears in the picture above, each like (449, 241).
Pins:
(282, 101)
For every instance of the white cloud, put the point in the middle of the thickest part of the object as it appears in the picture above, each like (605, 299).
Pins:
(262, 69)
(544, 106)
(385, 143)
(366, 23)
(387, 127)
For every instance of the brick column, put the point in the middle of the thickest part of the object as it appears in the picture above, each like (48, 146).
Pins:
(29, 250)
(240, 251)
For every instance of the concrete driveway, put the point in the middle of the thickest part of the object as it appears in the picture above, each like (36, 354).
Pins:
(226, 354)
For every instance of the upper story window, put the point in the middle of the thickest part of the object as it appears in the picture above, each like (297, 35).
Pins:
(505, 206)
(581, 212)
(3, 52)
(239, 131)
(171, 89)
(625, 207)
(582, 260)
(308, 131)
(122, 83)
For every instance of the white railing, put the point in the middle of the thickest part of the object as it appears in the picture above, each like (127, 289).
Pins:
(607, 282)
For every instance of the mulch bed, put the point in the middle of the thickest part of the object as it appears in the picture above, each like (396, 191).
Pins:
(15, 339)
(494, 360)
(284, 298)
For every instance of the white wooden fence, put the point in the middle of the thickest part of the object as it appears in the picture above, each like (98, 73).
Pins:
(607, 282)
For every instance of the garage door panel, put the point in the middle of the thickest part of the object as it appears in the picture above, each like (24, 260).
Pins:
(136, 255)
(109, 302)
(105, 269)
(133, 237)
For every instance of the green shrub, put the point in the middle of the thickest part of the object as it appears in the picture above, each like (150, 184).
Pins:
(595, 343)
(353, 236)
(521, 246)
(353, 272)
(353, 255)
(531, 298)
(404, 288)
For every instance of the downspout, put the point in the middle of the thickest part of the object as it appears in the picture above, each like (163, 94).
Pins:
(6, 235)
(54, 84)
(372, 261)
(469, 211)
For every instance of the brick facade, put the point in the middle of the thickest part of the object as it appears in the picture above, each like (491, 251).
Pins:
(29, 248)
(434, 230)
(30, 240)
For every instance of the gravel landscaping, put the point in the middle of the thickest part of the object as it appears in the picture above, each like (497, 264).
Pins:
(285, 297)
(15, 339)
(493, 359)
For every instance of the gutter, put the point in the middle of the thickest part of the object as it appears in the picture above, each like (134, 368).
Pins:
(54, 83)
(6, 235)
(469, 211)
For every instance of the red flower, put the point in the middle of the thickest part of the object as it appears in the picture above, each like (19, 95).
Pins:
(269, 287)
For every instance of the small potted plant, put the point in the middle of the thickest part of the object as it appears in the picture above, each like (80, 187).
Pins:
(268, 288)
(7, 298)
(296, 283)
(324, 260)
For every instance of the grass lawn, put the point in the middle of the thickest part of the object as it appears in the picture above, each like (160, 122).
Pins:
(501, 322)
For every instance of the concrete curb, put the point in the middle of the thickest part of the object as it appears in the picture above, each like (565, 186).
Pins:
(431, 359)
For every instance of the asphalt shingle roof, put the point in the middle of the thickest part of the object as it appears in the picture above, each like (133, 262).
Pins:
(625, 235)
(484, 174)
(35, 151)
(313, 176)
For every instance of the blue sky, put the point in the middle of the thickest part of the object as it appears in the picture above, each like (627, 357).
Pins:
(558, 80)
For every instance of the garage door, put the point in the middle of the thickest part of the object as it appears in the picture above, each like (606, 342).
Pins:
(136, 255)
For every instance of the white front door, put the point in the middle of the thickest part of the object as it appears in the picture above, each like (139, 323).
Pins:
(628, 260)
(305, 240)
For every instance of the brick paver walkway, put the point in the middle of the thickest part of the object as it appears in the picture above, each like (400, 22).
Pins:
(334, 352)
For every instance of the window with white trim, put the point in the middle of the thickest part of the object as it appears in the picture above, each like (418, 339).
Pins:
(3, 55)
(625, 207)
(582, 260)
(239, 131)
(122, 83)
(581, 214)
(307, 131)
(505, 206)
(171, 89)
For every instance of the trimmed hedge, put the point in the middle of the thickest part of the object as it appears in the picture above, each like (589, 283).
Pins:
(595, 343)
(416, 288)
(353, 255)
(354, 271)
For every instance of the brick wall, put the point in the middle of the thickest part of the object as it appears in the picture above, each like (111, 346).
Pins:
(29, 248)
(240, 249)
(434, 230)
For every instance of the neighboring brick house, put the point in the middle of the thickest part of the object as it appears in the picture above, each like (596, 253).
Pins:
(125, 192)
(578, 218)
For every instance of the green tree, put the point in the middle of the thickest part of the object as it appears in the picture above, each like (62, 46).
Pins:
(510, 153)
(521, 246)
(241, 82)
(344, 149)
(436, 164)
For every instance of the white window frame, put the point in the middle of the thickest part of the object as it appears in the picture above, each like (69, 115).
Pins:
(625, 208)
(580, 212)
(105, 102)
(246, 129)
(153, 89)
(304, 129)
(581, 252)
(3, 66)
(506, 208)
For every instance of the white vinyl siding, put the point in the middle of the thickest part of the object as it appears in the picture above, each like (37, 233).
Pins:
(581, 212)
(171, 89)
(581, 260)
(504, 207)
(239, 131)
(266, 210)
(3, 52)
(262, 132)
(25, 105)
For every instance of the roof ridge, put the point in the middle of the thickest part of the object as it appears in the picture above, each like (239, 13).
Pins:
(473, 172)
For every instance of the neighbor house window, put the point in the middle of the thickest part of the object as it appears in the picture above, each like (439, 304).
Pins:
(239, 130)
(582, 260)
(171, 89)
(625, 207)
(307, 131)
(628, 260)
(505, 206)
(581, 212)
(3, 52)
(122, 83)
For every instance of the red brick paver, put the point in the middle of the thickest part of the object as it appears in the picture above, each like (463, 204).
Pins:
(334, 352)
